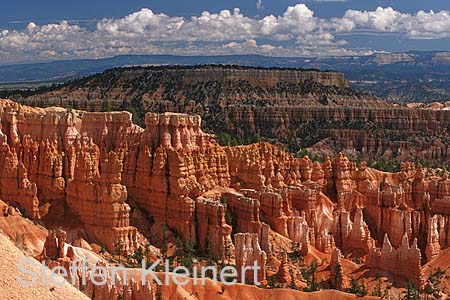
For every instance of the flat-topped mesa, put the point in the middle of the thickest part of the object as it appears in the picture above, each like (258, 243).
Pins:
(180, 88)
(260, 76)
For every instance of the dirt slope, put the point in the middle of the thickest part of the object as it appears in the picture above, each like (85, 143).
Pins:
(10, 289)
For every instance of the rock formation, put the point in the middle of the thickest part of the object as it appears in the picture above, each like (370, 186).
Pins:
(249, 254)
(233, 84)
(286, 105)
(283, 275)
(46, 161)
(54, 246)
(301, 108)
(14, 183)
(89, 172)
(115, 288)
(54, 254)
(347, 129)
(336, 272)
(90, 192)
(352, 235)
(433, 243)
(211, 224)
(404, 261)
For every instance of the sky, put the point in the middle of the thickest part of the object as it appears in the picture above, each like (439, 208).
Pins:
(47, 30)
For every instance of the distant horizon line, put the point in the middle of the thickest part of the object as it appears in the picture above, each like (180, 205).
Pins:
(215, 55)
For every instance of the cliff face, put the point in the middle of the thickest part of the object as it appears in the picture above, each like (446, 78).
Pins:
(56, 165)
(370, 133)
(202, 89)
(99, 174)
(299, 108)
(259, 77)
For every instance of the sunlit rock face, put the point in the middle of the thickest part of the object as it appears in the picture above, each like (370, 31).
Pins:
(100, 174)
(404, 261)
(300, 108)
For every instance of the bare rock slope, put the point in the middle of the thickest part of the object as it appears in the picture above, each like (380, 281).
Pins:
(11, 289)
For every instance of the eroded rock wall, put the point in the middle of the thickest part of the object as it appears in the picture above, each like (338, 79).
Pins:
(100, 167)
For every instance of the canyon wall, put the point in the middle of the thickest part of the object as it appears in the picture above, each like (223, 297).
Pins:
(303, 109)
(58, 169)
(361, 132)
(91, 172)
(259, 76)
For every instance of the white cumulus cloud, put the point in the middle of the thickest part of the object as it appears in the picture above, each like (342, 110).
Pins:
(297, 31)
(422, 25)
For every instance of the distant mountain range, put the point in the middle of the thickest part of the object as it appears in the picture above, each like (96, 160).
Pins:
(402, 77)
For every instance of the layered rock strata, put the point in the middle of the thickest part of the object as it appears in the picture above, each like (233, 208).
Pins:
(99, 167)
(301, 108)
(160, 86)
(48, 164)
(361, 132)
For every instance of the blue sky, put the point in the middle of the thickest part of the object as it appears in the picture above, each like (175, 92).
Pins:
(47, 10)
(51, 30)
